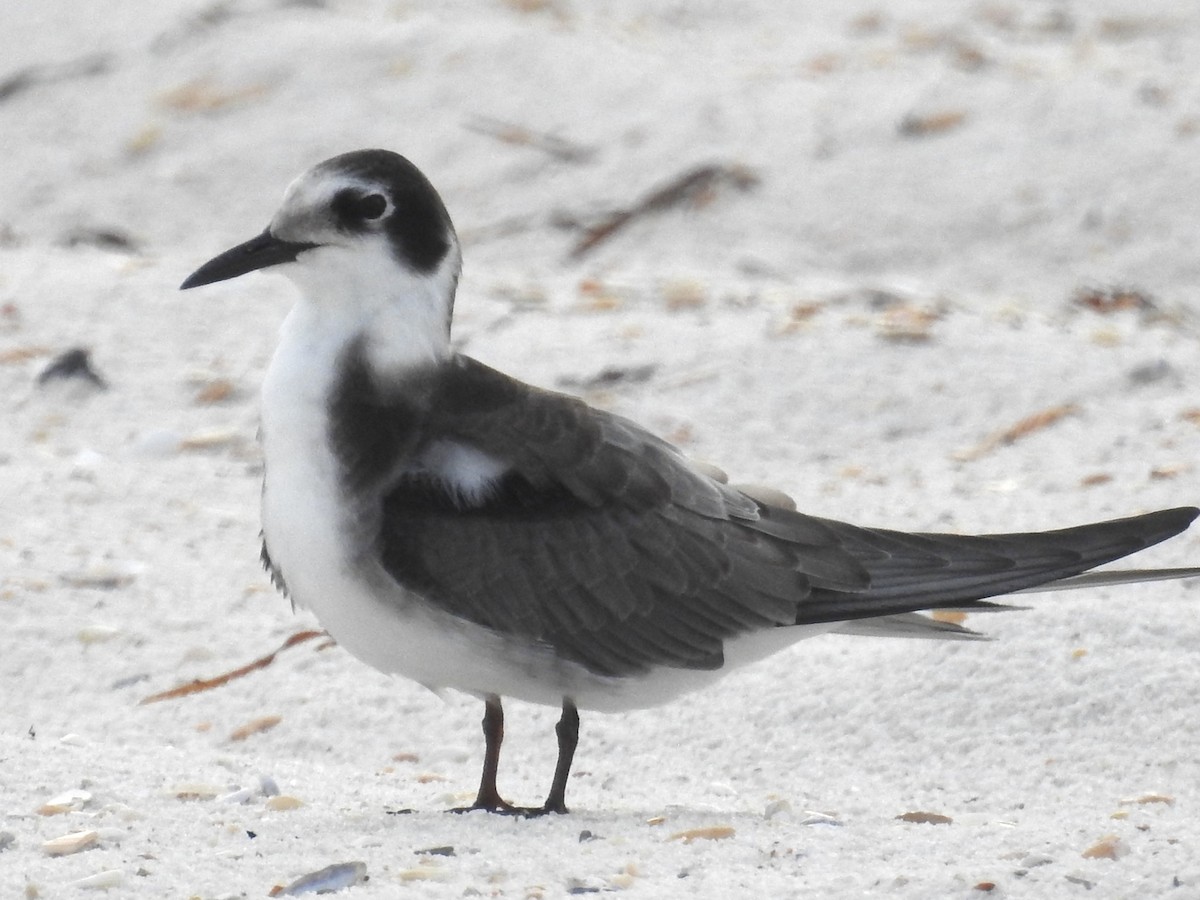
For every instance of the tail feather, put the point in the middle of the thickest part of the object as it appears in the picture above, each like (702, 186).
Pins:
(1111, 577)
(909, 625)
(913, 572)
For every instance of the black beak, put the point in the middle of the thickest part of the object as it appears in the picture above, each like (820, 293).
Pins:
(256, 253)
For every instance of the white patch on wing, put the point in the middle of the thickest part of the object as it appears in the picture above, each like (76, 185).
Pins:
(469, 472)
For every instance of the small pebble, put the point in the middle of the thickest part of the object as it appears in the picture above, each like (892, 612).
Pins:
(621, 881)
(217, 390)
(267, 785)
(96, 634)
(129, 681)
(7, 839)
(1033, 860)
(423, 873)
(85, 464)
(195, 792)
(720, 789)
(158, 442)
(102, 576)
(775, 807)
(577, 887)
(1150, 372)
(73, 363)
(283, 803)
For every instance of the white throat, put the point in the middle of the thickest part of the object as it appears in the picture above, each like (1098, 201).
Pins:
(347, 293)
(356, 291)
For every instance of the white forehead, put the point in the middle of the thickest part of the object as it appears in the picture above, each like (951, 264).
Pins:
(307, 210)
(317, 188)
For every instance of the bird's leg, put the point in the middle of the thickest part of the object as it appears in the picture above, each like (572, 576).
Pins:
(489, 797)
(567, 730)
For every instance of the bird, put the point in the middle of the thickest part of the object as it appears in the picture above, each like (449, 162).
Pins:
(451, 524)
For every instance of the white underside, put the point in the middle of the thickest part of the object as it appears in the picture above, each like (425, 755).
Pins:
(313, 540)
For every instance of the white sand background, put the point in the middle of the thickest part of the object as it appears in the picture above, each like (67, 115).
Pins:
(1051, 146)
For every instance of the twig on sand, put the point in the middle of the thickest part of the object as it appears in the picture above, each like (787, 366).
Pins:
(510, 133)
(696, 187)
(207, 684)
(1027, 426)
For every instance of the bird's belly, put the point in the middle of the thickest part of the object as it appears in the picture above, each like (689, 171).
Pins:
(324, 552)
(325, 560)
(320, 554)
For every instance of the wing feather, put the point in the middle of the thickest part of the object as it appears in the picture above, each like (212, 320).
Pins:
(601, 542)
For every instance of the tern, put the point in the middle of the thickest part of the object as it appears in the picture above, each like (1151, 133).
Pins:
(454, 525)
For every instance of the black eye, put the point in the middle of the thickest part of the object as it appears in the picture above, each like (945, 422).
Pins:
(371, 206)
(354, 209)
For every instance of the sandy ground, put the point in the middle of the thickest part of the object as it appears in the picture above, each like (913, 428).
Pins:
(924, 223)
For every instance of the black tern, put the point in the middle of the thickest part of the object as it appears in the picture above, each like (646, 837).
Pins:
(454, 525)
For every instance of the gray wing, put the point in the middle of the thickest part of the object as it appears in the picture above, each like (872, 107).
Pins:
(605, 544)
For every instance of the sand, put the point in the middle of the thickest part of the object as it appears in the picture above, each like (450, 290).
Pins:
(940, 275)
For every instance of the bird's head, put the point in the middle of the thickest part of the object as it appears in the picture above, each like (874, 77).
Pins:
(365, 228)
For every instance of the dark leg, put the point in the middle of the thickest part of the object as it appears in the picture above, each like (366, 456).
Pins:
(493, 736)
(567, 730)
(489, 797)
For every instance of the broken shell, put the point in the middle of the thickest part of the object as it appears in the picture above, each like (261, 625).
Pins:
(1149, 798)
(70, 843)
(1108, 847)
(241, 795)
(255, 726)
(109, 878)
(211, 439)
(925, 818)
(812, 817)
(775, 807)
(195, 792)
(67, 801)
(707, 833)
(327, 880)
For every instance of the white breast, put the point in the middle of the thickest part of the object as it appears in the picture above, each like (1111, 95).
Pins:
(301, 508)
(314, 543)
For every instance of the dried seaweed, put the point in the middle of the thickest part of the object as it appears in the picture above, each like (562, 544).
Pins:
(207, 684)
